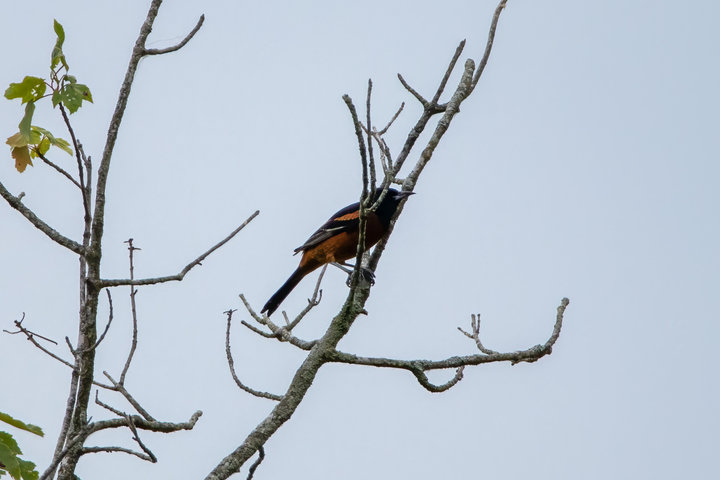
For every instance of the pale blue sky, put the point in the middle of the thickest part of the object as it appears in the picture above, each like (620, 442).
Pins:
(584, 165)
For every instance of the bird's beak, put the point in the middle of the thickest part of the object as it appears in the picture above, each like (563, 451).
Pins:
(404, 194)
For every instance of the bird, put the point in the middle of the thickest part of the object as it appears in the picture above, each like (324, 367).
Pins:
(337, 239)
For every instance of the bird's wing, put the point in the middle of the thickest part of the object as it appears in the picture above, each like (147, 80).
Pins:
(345, 220)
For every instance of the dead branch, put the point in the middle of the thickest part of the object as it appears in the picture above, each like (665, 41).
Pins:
(58, 169)
(183, 42)
(419, 367)
(253, 467)
(475, 335)
(133, 292)
(313, 302)
(178, 277)
(118, 387)
(231, 364)
(54, 235)
(281, 333)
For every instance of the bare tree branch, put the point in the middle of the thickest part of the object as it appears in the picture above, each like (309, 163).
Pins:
(60, 170)
(133, 292)
(178, 277)
(392, 120)
(253, 467)
(431, 387)
(365, 196)
(231, 364)
(371, 157)
(102, 336)
(160, 51)
(129, 451)
(78, 150)
(281, 333)
(136, 436)
(54, 235)
(313, 302)
(414, 92)
(121, 388)
(475, 335)
(451, 67)
(489, 45)
(144, 424)
(417, 367)
(429, 109)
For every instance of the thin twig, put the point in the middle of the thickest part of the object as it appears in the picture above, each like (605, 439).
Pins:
(254, 329)
(313, 302)
(475, 335)
(102, 336)
(414, 92)
(448, 71)
(136, 437)
(81, 174)
(54, 235)
(371, 157)
(129, 451)
(392, 120)
(133, 292)
(254, 466)
(488, 45)
(160, 51)
(281, 333)
(231, 364)
(184, 271)
(108, 407)
(60, 170)
(362, 217)
(21, 329)
(121, 388)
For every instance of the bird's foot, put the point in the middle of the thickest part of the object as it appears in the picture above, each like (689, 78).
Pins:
(366, 274)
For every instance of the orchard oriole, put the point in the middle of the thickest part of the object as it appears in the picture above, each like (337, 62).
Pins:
(337, 240)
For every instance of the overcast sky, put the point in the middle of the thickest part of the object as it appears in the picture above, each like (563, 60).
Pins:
(584, 165)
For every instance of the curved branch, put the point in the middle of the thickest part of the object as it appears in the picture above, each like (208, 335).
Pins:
(419, 367)
(160, 51)
(423, 380)
(179, 276)
(231, 364)
(143, 424)
(489, 45)
(54, 235)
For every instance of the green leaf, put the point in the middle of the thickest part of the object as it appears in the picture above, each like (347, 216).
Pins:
(58, 142)
(57, 54)
(30, 89)
(41, 149)
(8, 440)
(27, 470)
(72, 95)
(56, 98)
(62, 144)
(10, 460)
(28, 427)
(24, 124)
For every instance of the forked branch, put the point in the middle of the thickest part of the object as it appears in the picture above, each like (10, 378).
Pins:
(419, 367)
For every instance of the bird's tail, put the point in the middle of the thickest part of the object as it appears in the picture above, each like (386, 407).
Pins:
(283, 292)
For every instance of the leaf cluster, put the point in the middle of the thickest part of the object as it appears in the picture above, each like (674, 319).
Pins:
(32, 141)
(10, 462)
